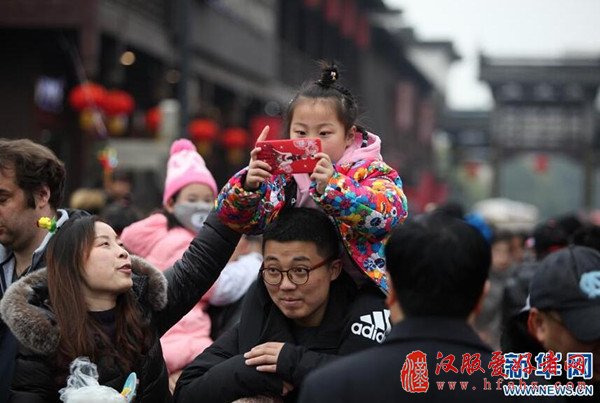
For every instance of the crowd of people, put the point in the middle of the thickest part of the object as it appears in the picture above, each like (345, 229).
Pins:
(302, 287)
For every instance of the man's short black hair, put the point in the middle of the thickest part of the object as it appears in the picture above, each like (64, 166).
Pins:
(438, 265)
(306, 225)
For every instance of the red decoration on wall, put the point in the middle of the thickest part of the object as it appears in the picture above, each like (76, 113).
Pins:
(349, 18)
(333, 11)
(362, 35)
(203, 129)
(117, 102)
(235, 141)
(406, 94)
(235, 137)
(541, 163)
(87, 95)
(152, 119)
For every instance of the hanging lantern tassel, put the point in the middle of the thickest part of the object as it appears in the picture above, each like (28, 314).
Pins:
(117, 105)
(108, 160)
(235, 140)
(202, 133)
(87, 98)
(90, 120)
(117, 125)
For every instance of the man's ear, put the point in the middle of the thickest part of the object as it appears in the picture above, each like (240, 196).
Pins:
(41, 196)
(391, 301)
(486, 289)
(479, 306)
(537, 325)
(335, 269)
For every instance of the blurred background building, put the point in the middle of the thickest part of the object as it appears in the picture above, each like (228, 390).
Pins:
(539, 144)
(123, 78)
(110, 83)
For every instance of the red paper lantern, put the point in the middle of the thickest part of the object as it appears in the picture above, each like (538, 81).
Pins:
(87, 95)
(203, 129)
(118, 102)
(153, 119)
(235, 138)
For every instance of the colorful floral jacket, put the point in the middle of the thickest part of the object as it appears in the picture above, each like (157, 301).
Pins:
(364, 198)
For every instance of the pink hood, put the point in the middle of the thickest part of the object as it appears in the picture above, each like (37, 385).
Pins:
(355, 152)
(151, 240)
(352, 154)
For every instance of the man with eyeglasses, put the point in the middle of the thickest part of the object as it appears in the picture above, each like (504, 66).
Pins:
(303, 312)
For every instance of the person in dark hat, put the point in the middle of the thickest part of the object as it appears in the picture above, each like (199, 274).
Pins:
(562, 315)
(564, 300)
(548, 237)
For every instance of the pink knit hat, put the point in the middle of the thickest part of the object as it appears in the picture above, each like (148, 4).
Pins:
(186, 166)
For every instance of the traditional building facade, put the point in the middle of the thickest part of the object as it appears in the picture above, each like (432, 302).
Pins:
(229, 61)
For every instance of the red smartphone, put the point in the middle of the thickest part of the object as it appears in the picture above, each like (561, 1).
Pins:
(292, 156)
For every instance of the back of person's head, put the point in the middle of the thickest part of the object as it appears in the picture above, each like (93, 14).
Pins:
(119, 215)
(34, 166)
(88, 199)
(451, 208)
(569, 223)
(588, 235)
(327, 87)
(305, 225)
(120, 184)
(438, 266)
(548, 237)
(185, 167)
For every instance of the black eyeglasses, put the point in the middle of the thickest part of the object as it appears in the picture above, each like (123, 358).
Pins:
(297, 274)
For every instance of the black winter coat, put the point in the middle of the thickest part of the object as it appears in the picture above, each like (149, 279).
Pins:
(375, 375)
(165, 297)
(8, 343)
(219, 374)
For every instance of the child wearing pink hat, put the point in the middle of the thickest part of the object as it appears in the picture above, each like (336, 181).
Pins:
(162, 238)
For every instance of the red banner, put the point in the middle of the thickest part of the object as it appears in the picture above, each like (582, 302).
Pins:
(333, 11)
(349, 18)
(362, 35)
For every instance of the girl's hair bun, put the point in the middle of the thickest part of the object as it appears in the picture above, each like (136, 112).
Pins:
(329, 75)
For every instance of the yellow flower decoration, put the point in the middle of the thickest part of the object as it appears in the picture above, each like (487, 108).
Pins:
(47, 223)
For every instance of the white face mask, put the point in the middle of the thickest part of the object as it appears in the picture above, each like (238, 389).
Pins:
(192, 215)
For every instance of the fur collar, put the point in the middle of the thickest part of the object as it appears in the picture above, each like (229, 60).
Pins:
(24, 309)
